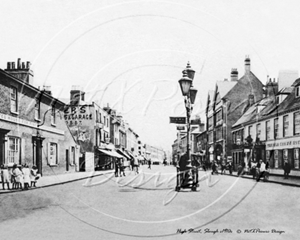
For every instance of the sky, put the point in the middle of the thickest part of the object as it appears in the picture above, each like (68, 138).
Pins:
(130, 54)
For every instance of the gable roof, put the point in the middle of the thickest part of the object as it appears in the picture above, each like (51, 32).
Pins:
(246, 78)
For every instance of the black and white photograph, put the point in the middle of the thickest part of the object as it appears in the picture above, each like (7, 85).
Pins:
(149, 119)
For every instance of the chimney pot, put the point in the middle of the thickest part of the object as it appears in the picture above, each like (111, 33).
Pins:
(13, 65)
(23, 65)
(19, 63)
(8, 65)
(28, 65)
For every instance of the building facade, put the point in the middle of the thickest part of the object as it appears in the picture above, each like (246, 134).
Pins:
(33, 131)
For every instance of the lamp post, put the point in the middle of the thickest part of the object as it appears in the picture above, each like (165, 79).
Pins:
(189, 93)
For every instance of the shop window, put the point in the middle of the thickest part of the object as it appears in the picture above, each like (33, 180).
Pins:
(13, 150)
(13, 99)
(296, 123)
(52, 154)
(296, 158)
(285, 155)
(73, 156)
(285, 125)
(275, 128)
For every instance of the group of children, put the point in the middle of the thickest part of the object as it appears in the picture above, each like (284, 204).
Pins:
(19, 177)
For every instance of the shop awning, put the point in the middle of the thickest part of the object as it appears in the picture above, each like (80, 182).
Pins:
(110, 153)
(130, 154)
(123, 153)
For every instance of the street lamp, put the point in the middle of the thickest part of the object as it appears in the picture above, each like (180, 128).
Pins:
(189, 93)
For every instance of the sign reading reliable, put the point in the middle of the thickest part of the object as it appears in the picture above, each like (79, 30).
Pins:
(178, 120)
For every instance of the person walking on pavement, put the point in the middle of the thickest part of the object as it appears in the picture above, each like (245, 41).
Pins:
(149, 163)
(262, 168)
(229, 166)
(117, 167)
(214, 168)
(223, 167)
(136, 164)
(287, 169)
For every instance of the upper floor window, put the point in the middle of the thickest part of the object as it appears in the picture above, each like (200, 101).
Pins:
(219, 116)
(297, 91)
(53, 116)
(275, 128)
(296, 123)
(37, 110)
(13, 99)
(258, 130)
(285, 125)
(268, 130)
(210, 122)
(210, 137)
(250, 131)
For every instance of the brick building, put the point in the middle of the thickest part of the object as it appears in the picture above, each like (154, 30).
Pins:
(32, 129)
(226, 105)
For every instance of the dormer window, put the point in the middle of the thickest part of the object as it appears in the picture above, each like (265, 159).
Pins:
(298, 91)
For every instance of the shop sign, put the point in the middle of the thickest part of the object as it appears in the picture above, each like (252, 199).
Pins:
(178, 120)
(283, 144)
(181, 128)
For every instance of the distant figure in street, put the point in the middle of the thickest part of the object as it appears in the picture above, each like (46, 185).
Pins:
(18, 176)
(253, 169)
(149, 163)
(122, 168)
(26, 176)
(214, 168)
(261, 166)
(223, 167)
(5, 177)
(136, 164)
(229, 167)
(287, 169)
(33, 176)
(132, 164)
(117, 167)
(204, 167)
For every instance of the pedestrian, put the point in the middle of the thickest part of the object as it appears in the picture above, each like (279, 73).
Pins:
(18, 176)
(261, 169)
(229, 167)
(132, 164)
(204, 167)
(214, 168)
(33, 176)
(5, 177)
(253, 169)
(122, 168)
(149, 163)
(136, 164)
(223, 167)
(287, 169)
(26, 176)
(117, 167)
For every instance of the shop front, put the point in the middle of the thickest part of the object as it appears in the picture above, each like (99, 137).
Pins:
(278, 151)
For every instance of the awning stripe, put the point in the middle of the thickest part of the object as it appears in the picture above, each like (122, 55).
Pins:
(111, 153)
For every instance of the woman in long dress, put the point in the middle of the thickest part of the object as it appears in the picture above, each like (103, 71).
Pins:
(26, 176)
(33, 175)
(18, 176)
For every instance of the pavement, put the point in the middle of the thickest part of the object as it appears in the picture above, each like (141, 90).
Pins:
(58, 179)
(48, 181)
(273, 178)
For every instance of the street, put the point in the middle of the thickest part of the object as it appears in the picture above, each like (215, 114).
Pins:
(145, 205)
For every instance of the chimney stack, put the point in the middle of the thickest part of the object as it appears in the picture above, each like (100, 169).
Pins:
(234, 74)
(271, 88)
(247, 65)
(76, 95)
(22, 72)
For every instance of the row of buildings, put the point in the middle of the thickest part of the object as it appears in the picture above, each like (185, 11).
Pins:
(58, 136)
(247, 120)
